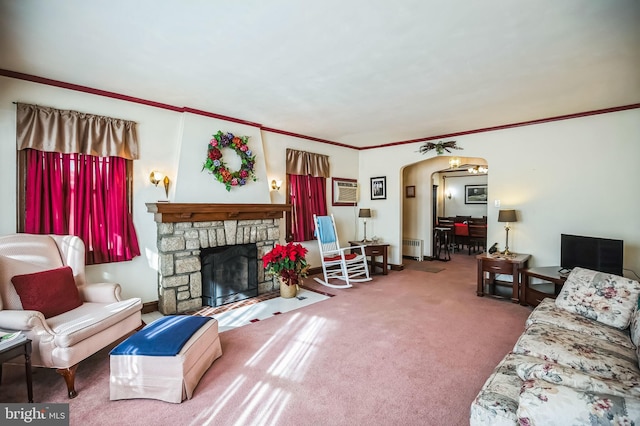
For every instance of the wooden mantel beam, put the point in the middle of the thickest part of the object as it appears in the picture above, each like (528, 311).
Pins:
(203, 212)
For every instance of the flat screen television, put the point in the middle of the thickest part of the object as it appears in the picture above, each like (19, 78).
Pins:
(598, 254)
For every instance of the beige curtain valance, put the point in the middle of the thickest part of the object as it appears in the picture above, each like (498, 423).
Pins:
(54, 130)
(307, 163)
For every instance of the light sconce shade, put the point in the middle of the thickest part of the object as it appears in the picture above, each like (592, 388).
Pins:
(449, 194)
(454, 162)
(507, 216)
(157, 177)
(276, 184)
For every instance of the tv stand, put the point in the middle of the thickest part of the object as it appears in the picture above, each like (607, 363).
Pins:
(553, 280)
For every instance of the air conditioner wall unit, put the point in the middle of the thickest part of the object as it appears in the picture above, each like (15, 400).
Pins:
(345, 193)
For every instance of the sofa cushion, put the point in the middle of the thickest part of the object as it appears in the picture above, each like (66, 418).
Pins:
(548, 404)
(634, 328)
(607, 298)
(583, 352)
(89, 319)
(567, 376)
(548, 313)
(51, 292)
(497, 401)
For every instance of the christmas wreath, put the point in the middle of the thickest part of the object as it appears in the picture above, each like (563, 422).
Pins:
(219, 169)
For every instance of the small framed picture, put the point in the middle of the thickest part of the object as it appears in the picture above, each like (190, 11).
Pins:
(379, 188)
(475, 194)
(410, 191)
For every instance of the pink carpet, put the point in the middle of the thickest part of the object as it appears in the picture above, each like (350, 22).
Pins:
(409, 348)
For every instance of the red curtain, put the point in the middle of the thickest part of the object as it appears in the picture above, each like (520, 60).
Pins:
(81, 195)
(308, 197)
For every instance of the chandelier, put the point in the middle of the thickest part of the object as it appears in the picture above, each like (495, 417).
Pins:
(454, 162)
(478, 169)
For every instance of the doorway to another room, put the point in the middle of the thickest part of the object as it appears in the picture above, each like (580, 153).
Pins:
(451, 193)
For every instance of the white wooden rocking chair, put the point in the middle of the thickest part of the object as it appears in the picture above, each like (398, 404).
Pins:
(348, 264)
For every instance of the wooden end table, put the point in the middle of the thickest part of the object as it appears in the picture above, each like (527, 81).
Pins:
(21, 347)
(489, 265)
(550, 275)
(374, 250)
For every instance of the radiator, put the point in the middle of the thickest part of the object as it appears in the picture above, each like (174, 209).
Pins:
(412, 247)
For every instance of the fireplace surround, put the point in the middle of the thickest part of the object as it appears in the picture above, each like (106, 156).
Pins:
(184, 229)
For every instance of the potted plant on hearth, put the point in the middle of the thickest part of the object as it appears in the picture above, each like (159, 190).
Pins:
(287, 262)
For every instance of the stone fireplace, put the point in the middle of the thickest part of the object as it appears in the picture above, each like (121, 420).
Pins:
(185, 229)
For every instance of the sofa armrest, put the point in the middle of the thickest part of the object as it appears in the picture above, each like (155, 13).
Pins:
(100, 292)
(24, 320)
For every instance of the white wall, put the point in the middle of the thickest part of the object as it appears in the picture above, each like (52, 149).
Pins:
(455, 206)
(176, 144)
(573, 176)
(343, 163)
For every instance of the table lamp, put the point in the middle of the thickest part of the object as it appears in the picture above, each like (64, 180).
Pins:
(507, 216)
(365, 213)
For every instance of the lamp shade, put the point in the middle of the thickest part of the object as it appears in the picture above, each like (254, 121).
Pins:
(507, 216)
(364, 213)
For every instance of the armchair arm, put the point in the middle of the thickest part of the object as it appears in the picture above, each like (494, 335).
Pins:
(100, 292)
(24, 320)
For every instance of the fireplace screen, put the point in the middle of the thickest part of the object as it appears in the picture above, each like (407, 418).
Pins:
(229, 274)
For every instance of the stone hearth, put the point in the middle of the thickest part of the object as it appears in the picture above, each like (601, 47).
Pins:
(184, 229)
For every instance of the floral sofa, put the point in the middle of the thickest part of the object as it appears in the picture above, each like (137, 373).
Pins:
(576, 362)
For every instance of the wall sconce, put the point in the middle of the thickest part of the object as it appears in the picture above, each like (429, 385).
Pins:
(448, 193)
(276, 184)
(157, 177)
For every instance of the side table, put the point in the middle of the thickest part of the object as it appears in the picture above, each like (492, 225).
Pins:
(489, 266)
(553, 282)
(374, 250)
(21, 347)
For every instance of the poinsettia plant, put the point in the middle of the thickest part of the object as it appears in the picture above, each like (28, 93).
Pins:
(287, 262)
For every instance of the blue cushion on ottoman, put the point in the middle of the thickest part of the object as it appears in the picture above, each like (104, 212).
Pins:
(163, 337)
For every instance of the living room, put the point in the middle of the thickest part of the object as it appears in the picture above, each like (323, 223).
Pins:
(566, 161)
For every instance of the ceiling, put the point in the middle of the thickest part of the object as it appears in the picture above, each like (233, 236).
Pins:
(358, 72)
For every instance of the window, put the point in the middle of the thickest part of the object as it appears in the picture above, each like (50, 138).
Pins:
(63, 190)
(81, 195)
(307, 192)
(308, 196)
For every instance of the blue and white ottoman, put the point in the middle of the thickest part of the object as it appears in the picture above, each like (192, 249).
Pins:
(165, 360)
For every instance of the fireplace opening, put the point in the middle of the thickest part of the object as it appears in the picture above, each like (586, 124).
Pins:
(229, 274)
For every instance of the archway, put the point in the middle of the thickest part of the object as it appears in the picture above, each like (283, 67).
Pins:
(421, 204)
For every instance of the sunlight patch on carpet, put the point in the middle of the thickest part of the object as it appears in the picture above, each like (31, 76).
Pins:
(266, 309)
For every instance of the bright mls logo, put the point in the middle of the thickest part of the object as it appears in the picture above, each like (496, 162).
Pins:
(34, 414)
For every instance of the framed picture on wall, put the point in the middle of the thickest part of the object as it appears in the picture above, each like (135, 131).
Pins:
(410, 191)
(475, 194)
(379, 188)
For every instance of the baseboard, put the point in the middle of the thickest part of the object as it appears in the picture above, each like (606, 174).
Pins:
(149, 307)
